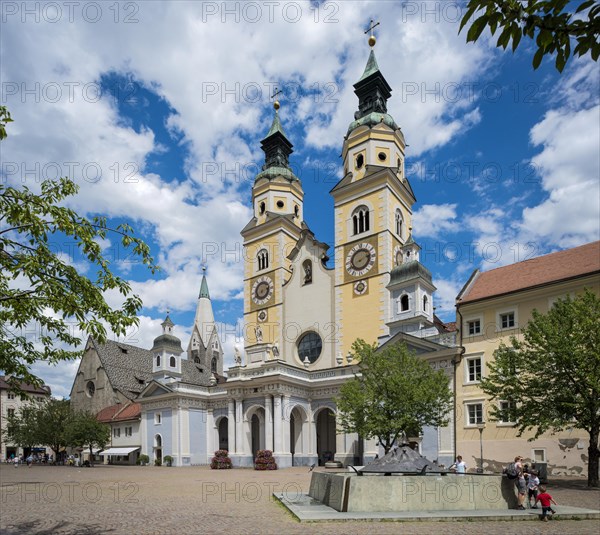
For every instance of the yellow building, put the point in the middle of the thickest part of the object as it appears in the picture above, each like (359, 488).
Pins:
(492, 307)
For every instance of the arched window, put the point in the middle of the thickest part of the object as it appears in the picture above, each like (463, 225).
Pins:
(360, 220)
(157, 360)
(213, 365)
(404, 303)
(307, 269)
(263, 259)
(399, 223)
(172, 362)
(425, 303)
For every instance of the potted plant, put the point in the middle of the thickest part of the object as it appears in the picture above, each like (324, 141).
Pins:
(265, 460)
(157, 462)
(143, 459)
(221, 461)
(168, 460)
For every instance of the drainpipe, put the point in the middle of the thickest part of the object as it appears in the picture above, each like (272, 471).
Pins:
(456, 363)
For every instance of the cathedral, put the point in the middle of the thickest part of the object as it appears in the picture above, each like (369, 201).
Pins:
(300, 317)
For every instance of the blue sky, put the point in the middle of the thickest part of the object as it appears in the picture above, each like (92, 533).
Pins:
(157, 110)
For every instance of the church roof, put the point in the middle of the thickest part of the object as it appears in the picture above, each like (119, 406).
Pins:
(276, 126)
(371, 67)
(409, 270)
(167, 341)
(204, 288)
(551, 268)
(129, 368)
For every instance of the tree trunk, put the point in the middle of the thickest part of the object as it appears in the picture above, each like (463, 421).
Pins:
(593, 457)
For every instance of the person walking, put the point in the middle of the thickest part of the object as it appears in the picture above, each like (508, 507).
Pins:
(546, 500)
(459, 466)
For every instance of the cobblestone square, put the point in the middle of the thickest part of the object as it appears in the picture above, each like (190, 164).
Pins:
(45, 500)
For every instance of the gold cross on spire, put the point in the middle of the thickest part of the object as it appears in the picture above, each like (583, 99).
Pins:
(276, 104)
(372, 39)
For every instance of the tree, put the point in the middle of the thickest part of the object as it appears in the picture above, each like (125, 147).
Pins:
(395, 392)
(21, 427)
(547, 21)
(86, 431)
(552, 376)
(53, 419)
(43, 292)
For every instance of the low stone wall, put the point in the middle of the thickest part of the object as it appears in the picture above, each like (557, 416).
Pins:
(373, 493)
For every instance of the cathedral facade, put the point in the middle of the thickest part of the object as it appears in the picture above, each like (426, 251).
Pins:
(300, 316)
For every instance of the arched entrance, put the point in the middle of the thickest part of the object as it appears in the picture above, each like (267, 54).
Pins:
(326, 436)
(298, 443)
(158, 447)
(256, 420)
(224, 434)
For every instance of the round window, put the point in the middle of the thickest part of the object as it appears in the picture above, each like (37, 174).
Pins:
(309, 346)
(280, 204)
(381, 156)
(90, 388)
(360, 160)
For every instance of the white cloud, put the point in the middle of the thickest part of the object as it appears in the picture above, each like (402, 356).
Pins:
(430, 220)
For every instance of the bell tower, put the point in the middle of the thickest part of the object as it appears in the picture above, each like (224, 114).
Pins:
(277, 199)
(373, 211)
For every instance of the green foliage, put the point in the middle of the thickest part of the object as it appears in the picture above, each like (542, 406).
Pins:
(85, 431)
(41, 424)
(552, 375)
(168, 460)
(42, 291)
(395, 392)
(548, 22)
(143, 459)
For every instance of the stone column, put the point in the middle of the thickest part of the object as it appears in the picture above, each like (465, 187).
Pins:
(210, 434)
(268, 423)
(285, 423)
(277, 445)
(240, 443)
(231, 426)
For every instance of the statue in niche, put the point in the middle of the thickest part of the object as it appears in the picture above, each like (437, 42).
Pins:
(238, 355)
(259, 334)
(275, 349)
(307, 272)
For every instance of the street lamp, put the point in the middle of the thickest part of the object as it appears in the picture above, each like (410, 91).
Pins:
(481, 427)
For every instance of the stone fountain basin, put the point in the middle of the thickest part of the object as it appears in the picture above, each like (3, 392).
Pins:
(347, 492)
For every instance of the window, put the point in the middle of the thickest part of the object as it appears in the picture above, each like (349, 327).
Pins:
(425, 303)
(473, 369)
(280, 204)
(157, 418)
(263, 259)
(213, 365)
(399, 223)
(309, 346)
(474, 413)
(11, 395)
(360, 161)
(404, 303)
(507, 320)
(157, 361)
(360, 220)
(116, 432)
(172, 362)
(90, 388)
(382, 156)
(539, 455)
(474, 327)
(307, 269)
(262, 207)
(507, 412)
(128, 431)
(10, 413)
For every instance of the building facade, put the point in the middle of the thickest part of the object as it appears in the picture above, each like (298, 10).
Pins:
(301, 316)
(11, 403)
(492, 307)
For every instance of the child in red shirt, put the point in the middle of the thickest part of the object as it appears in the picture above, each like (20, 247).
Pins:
(545, 500)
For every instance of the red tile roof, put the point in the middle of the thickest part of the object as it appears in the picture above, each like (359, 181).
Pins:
(554, 267)
(119, 412)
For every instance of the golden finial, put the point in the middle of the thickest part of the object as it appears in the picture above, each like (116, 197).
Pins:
(276, 104)
(372, 39)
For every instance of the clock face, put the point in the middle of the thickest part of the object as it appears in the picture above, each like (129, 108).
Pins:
(360, 259)
(398, 255)
(360, 287)
(262, 290)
